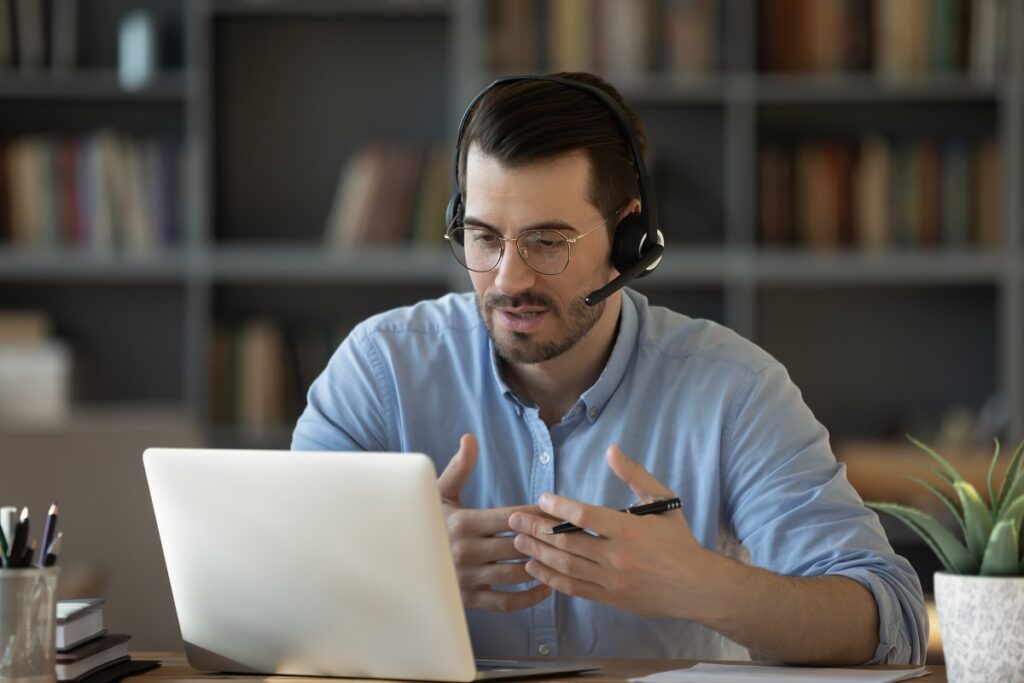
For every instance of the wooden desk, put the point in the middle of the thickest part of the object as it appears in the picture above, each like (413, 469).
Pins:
(174, 668)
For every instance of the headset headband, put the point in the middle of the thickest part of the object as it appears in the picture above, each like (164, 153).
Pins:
(647, 204)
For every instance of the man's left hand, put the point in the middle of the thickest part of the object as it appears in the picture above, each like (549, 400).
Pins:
(649, 564)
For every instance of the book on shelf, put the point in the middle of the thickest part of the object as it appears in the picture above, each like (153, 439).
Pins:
(78, 621)
(36, 34)
(388, 194)
(24, 327)
(432, 198)
(35, 370)
(7, 46)
(100, 192)
(262, 369)
(908, 38)
(29, 33)
(624, 39)
(64, 33)
(880, 194)
(92, 656)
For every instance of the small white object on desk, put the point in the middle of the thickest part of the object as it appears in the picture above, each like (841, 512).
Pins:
(740, 673)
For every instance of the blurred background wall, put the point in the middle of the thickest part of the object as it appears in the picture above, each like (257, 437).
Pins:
(199, 199)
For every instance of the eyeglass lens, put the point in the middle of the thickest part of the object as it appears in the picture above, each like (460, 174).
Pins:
(480, 249)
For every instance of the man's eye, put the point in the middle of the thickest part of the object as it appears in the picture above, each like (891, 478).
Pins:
(485, 239)
(545, 241)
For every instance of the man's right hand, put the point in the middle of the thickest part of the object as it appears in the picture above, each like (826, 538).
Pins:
(480, 555)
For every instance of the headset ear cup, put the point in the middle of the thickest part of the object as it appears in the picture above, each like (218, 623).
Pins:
(450, 212)
(629, 235)
(645, 248)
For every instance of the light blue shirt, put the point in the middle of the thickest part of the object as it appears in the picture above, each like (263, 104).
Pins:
(711, 415)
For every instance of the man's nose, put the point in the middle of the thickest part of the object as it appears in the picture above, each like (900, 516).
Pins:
(514, 275)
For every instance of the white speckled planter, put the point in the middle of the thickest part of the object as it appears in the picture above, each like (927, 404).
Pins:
(982, 623)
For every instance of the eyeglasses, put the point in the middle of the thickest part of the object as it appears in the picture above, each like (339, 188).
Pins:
(544, 250)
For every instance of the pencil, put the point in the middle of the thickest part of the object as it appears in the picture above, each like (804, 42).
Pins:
(48, 529)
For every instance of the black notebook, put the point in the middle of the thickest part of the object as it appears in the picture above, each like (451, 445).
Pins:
(93, 655)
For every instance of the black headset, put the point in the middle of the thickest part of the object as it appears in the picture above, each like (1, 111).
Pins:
(637, 244)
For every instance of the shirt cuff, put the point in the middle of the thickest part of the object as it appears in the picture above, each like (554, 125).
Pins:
(902, 617)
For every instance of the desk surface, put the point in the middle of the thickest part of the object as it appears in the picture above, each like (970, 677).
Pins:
(175, 668)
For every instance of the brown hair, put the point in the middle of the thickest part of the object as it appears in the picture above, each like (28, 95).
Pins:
(530, 120)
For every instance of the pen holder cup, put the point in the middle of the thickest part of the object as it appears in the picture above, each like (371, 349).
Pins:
(28, 622)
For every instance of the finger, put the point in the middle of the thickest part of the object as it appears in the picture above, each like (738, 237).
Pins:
(604, 521)
(458, 469)
(498, 574)
(488, 522)
(565, 563)
(508, 601)
(576, 543)
(640, 481)
(473, 552)
(565, 584)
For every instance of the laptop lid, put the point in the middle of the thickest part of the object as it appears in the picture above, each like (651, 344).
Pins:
(327, 564)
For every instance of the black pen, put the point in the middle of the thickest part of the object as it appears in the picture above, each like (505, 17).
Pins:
(652, 508)
(53, 551)
(19, 543)
(30, 551)
(48, 529)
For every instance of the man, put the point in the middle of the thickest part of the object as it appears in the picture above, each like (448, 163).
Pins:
(568, 411)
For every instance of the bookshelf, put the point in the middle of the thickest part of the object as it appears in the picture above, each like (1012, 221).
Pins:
(270, 98)
(119, 308)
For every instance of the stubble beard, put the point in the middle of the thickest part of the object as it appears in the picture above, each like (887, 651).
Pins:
(517, 347)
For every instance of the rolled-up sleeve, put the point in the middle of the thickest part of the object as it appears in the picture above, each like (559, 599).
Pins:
(789, 503)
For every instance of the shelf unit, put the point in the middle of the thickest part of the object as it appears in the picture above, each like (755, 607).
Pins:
(276, 94)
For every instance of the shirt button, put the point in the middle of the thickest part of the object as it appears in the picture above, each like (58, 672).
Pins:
(544, 649)
(593, 413)
(545, 458)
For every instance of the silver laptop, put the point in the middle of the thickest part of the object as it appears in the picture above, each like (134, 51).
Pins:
(323, 564)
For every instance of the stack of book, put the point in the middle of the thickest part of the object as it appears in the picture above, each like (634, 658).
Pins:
(624, 39)
(893, 39)
(83, 644)
(99, 192)
(388, 194)
(880, 194)
(35, 370)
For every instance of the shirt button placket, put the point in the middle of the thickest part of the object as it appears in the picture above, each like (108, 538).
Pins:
(543, 624)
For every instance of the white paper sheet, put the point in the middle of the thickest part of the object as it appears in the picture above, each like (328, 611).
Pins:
(736, 673)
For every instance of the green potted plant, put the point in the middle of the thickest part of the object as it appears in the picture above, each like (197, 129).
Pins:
(980, 595)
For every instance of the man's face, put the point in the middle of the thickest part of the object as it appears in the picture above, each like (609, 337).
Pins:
(533, 317)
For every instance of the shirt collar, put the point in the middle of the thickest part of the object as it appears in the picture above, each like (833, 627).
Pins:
(593, 399)
(506, 391)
